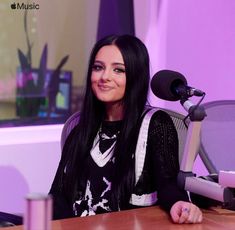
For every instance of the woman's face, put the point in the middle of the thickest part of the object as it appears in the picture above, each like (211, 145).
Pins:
(108, 78)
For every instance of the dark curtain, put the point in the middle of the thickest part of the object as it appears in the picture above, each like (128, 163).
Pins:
(116, 17)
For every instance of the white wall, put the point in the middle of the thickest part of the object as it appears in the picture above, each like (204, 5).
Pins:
(29, 157)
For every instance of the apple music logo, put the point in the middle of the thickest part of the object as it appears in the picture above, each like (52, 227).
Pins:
(24, 6)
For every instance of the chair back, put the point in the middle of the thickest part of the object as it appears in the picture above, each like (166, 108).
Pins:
(217, 148)
(178, 120)
(70, 123)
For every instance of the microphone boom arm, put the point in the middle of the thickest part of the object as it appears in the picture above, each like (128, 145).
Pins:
(186, 178)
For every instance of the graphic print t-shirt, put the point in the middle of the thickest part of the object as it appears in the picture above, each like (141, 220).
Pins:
(101, 164)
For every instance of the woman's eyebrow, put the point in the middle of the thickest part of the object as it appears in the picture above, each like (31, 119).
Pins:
(118, 63)
(114, 63)
(97, 61)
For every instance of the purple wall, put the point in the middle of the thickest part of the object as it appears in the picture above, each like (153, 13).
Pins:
(196, 38)
(201, 44)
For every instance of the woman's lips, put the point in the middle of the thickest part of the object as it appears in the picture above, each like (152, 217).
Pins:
(104, 87)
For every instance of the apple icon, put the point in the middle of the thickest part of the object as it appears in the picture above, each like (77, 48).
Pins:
(13, 6)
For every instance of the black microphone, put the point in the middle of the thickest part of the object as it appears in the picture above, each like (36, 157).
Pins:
(172, 86)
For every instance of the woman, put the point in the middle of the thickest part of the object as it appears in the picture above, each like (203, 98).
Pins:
(96, 173)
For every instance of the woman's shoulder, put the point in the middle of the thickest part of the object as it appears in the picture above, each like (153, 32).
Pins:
(160, 121)
(159, 115)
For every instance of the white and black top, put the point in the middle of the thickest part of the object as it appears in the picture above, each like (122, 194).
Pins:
(100, 164)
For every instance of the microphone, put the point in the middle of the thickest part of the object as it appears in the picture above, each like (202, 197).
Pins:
(172, 86)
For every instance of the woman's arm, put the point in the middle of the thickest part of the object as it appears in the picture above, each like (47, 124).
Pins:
(162, 149)
(61, 207)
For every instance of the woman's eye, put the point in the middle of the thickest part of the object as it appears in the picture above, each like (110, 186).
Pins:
(119, 70)
(97, 67)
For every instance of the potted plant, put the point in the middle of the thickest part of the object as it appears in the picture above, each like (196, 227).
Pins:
(32, 92)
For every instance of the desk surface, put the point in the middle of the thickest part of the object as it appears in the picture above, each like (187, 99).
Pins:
(142, 219)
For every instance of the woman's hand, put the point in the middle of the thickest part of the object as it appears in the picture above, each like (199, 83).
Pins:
(185, 212)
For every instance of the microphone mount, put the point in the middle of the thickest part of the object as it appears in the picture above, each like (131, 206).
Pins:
(195, 112)
(187, 91)
(186, 178)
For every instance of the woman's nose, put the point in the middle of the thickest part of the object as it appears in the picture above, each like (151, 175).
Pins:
(106, 75)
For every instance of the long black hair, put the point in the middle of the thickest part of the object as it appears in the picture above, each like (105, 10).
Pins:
(78, 145)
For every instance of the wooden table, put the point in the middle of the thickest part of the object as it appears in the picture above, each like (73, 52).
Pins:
(144, 219)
